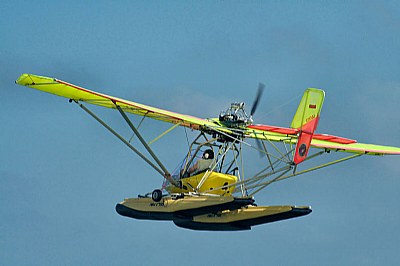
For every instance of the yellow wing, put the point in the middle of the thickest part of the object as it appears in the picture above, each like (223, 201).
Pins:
(70, 91)
(271, 133)
(360, 148)
(319, 141)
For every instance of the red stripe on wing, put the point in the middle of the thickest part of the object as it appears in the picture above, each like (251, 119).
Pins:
(281, 130)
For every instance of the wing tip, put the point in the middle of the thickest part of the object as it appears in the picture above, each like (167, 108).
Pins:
(20, 79)
(29, 79)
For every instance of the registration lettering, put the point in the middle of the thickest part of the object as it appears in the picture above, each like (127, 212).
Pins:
(310, 118)
(157, 204)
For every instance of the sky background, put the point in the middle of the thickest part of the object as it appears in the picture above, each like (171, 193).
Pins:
(61, 173)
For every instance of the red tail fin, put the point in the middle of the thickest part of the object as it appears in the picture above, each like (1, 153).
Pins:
(306, 120)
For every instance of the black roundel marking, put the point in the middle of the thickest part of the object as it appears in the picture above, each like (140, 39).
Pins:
(302, 149)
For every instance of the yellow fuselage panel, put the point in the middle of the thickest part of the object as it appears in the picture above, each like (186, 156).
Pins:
(211, 185)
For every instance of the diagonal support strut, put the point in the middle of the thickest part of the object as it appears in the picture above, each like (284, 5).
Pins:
(167, 175)
(120, 138)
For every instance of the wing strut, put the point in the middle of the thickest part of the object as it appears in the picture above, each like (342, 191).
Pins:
(120, 138)
(167, 175)
(165, 132)
(283, 177)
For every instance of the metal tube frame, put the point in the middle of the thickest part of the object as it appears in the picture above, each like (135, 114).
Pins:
(244, 184)
(121, 138)
(167, 175)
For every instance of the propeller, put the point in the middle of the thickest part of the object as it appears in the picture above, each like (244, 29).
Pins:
(260, 90)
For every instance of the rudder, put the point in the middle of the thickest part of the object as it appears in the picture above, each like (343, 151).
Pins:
(306, 121)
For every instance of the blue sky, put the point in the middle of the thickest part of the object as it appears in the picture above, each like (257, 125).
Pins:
(62, 174)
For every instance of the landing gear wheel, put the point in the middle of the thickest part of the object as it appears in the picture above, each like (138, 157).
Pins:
(156, 195)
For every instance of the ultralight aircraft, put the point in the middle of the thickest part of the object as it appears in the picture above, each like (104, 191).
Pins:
(210, 190)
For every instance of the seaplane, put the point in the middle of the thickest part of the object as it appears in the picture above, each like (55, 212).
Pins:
(209, 190)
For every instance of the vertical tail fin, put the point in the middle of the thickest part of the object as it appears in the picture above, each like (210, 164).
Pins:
(306, 120)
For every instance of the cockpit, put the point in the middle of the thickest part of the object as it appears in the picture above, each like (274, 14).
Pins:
(208, 167)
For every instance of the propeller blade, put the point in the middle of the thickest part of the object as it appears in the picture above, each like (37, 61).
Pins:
(260, 90)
